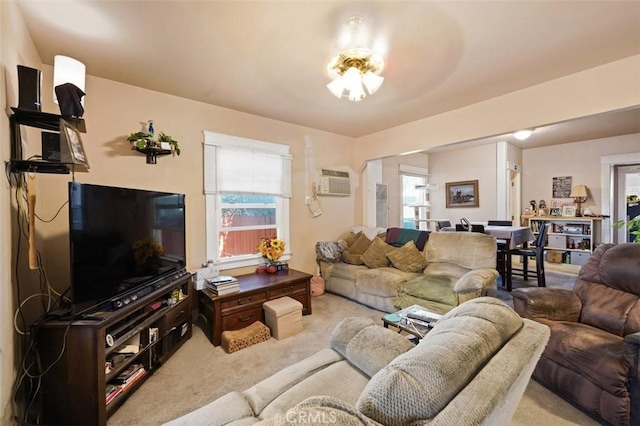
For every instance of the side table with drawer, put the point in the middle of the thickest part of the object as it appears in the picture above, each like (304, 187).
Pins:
(238, 310)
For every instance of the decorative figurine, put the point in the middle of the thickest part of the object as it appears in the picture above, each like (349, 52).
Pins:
(150, 129)
(533, 206)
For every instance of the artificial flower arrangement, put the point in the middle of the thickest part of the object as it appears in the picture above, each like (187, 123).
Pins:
(271, 248)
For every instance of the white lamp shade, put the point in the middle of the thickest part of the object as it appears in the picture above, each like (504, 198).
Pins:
(372, 82)
(356, 93)
(336, 87)
(67, 70)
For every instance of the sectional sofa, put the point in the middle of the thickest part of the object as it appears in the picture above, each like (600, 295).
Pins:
(471, 368)
(397, 268)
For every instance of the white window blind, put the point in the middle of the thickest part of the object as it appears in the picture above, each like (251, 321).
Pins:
(239, 165)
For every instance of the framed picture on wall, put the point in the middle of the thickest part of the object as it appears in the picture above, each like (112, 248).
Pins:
(462, 194)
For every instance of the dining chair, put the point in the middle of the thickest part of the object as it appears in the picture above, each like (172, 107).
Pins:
(500, 223)
(502, 247)
(536, 252)
(474, 228)
(443, 224)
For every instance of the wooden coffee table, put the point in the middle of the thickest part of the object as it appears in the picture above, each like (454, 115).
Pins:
(415, 327)
(238, 310)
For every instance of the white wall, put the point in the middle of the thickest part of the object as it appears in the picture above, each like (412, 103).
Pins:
(461, 165)
(580, 160)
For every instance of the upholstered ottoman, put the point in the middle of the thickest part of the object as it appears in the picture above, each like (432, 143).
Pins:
(234, 340)
(283, 316)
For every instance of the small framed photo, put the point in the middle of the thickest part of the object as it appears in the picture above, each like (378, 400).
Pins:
(568, 211)
(556, 211)
(543, 212)
(73, 149)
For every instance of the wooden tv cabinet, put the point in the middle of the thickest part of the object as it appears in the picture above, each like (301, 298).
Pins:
(238, 310)
(74, 388)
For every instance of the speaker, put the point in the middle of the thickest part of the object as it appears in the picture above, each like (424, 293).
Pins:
(51, 146)
(29, 84)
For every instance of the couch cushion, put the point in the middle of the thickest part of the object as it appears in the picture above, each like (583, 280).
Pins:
(353, 254)
(374, 347)
(408, 258)
(346, 330)
(436, 288)
(232, 407)
(471, 250)
(319, 410)
(376, 254)
(384, 282)
(591, 352)
(346, 270)
(441, 365)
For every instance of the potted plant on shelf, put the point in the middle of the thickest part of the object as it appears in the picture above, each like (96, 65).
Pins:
(145, 142)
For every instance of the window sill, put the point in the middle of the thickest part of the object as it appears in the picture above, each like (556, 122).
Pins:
(243, 262)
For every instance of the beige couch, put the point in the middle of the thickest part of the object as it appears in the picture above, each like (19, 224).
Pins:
(472, 368)
(458, 266)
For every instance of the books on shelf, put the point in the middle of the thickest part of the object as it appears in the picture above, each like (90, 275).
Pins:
(111, 392)
(128, 374)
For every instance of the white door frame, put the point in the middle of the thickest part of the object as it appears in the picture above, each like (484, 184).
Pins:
(608, 164)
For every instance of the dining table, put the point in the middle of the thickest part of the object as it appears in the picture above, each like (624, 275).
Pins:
(511, 237)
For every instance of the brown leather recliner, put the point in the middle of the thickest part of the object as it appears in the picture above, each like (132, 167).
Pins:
(592, 356)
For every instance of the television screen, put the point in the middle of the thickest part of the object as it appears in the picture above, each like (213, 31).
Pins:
(122, 239)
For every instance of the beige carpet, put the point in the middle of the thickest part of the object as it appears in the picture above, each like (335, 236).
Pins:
(199, 373)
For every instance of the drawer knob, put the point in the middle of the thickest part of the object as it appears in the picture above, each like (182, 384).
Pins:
(180, 314)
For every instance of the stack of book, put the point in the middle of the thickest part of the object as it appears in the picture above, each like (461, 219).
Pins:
(128, 376)
(112, 392)
(224, 284)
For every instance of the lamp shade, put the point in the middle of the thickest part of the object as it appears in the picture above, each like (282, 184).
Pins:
(579, 191)
(67, 70)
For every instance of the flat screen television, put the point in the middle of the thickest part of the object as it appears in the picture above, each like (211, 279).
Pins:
(122, 240)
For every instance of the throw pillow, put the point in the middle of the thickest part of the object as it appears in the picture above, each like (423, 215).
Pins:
(352, 259)
(376, 254)
(330, 251)
(360, 245)
(408, 258)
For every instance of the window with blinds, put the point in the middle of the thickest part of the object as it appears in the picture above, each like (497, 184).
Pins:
(247, 189)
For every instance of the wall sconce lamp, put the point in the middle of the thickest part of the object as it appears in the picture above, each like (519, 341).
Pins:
(579, 194)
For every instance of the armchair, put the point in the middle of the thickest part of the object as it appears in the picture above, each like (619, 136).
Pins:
(592, 358)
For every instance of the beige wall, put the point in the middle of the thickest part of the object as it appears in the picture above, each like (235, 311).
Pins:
(475, 163)
(580, 160)
(16, 48)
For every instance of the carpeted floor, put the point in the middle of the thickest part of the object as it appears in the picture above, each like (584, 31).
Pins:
(199, 372)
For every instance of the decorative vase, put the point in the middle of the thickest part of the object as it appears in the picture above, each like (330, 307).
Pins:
(272, 269)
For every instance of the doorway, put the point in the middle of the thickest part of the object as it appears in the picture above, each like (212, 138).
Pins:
(617, 172)
(627, 187)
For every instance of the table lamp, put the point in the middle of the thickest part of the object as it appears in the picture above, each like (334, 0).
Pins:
(579, 194)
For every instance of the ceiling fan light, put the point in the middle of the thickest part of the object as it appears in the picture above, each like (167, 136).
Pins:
(352, 78)
(372, 82)
(356, 93)
(336, 87)
(523, 134)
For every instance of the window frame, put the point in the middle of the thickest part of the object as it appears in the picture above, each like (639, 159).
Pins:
(214, 205)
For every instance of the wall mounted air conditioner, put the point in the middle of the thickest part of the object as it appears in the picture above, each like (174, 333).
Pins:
(333, 182)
